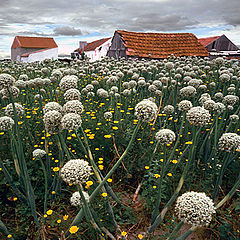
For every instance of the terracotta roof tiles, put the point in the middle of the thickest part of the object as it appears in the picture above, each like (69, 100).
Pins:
(34, 42)
(208, 40)
(161, 45)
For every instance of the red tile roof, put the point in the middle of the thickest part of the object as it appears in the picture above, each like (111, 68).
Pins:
(34, 42)
(161, 45)
(208, 40)
(93, 45)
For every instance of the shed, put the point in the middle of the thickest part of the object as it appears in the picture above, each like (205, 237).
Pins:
(94, 50)
(31, 49)
(154, 45)
(220, 46)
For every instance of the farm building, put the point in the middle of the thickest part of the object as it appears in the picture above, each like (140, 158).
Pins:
(94, 50)
(154, 45)
(220, 46)
(31, 49)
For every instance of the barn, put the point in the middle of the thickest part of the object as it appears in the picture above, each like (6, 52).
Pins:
(32, 49)
(154, 45)
(220, 46)
(94, 50)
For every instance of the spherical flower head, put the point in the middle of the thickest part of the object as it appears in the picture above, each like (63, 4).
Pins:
(152, 88)
(184, 105)
(6, 80)
(6, 123)
(198, 116)
(188, 91)
(9, 110)
(169, 109)
(20, 84)
(72, 94)
(219, 107)
(76, 171)
(195, 208)
(141, 83)
(228, 142)
(52, 121)
(230, 100)
(68, 82)
(12, 89)
(108, 115)
(234, 118)
(146, 110)
(204, 97)
(52, 106)
(169, 65)
(39, 153)
(165, 136)
(209, 105)
(71, 121)
(73, 106)
(224, 77)
(76, 199)
(195, 82)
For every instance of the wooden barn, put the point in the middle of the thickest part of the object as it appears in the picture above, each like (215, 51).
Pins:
(154, 45)
(220, 46)
(32, 49)
(94, 50)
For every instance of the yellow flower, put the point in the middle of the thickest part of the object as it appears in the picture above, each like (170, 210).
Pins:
(174, 161)
(20, 123)
(169, 174)
(124, 233)
(59, 221)
(109, 180)
(89, 183)
(104, 194)
(65, 217)
(188, 143)
(156, 175)
(49, 212)
(53, 192)
(28, 116)
(73, 229)
(140, 236)
(154, 186)
(146, 167)
(9, 235)
(56, 169)
(108, 136)
(1, 133)
(115, 128)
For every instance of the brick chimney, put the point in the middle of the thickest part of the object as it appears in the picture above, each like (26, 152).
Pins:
(82, 45)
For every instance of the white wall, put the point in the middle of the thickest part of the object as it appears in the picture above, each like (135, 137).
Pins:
(97, 54)
(41, 55)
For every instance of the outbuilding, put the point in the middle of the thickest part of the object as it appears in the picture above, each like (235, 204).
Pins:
(32, 49)
(154, 45)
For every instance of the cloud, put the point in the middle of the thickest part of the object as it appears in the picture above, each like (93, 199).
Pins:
(67, 31)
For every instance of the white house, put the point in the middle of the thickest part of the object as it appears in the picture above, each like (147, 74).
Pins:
(32, 49)
(94, 50)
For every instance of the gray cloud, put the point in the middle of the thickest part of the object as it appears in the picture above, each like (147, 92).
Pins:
(74, 17)
(67, 31)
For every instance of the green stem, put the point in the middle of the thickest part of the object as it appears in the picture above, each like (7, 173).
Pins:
(173, 235)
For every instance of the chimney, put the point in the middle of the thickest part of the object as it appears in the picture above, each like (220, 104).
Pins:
(82, 45)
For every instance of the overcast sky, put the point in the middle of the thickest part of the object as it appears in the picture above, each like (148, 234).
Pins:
(69, 21)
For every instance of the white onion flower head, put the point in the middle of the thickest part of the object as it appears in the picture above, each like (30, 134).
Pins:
(52, 106)
(76, 199)
(198, 116)
(73, 106)
(165, 136)
(72, 94)
(169, 109)
(234, 118)
(184, 105)
(6, 123)
(228, 142)
(12, 89)
(39, 153)
(188, 91)
(71, 121)
(146, 110)
(6, 80)
(9, 110)
(209, 105)
(230, 100)
(76, 171)
(219, 107)
(68, 82)
(108, 115)
(195, 208)
(52, 121)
